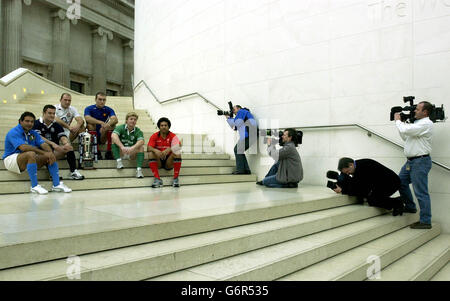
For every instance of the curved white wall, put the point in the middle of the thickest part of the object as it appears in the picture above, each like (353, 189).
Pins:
(302, 62)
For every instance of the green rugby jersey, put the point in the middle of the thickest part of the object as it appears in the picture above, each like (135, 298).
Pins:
(128, 138)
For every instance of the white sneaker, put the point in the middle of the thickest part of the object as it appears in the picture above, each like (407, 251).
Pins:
(39, 189)
(76, 175)
(139, 174)
(61, 188)
(119, 164)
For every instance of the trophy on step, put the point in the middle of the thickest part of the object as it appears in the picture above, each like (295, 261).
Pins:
(88, 150)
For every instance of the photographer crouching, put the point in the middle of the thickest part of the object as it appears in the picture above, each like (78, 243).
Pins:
(287, 171)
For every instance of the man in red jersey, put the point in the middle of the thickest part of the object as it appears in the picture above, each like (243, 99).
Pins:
(164, 151)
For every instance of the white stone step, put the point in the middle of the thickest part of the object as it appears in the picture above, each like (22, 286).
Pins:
(443, 274)
(166, 256)
(421, 264)
(189, 160)
(43, 175)
(188, 141)
(353, 266)
(12, 187)
(49, 227)
(44, 98)
(147, 133)
(276, 261)
(37, 108)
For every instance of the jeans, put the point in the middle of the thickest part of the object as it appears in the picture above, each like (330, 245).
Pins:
(416, 172)
(241, 160)
(270, 180)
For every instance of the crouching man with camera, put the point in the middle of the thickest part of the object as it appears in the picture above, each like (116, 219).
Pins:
(372, 180)
(287, 171)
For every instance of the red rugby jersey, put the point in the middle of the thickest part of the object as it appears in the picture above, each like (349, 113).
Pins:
(156, 141)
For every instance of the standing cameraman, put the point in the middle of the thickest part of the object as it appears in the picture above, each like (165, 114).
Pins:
(287, 171)
(243, 120)
(417, 137)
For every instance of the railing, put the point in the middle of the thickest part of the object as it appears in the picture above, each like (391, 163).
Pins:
(179, 98)
(369, 131)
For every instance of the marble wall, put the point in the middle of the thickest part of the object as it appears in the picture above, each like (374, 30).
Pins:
(301, 63)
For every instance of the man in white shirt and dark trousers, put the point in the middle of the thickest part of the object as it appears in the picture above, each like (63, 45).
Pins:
(65, 114)
(417, 137)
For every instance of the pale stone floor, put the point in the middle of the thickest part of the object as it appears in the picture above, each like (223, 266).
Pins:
(31, 217)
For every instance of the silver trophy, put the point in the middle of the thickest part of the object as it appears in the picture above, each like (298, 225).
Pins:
(88, 150)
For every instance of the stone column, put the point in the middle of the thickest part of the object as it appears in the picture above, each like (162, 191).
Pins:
(1, 39)
(128, 68)
(100, 37)
(61, 48)
(12, 35)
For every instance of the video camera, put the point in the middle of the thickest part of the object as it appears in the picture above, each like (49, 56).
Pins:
(333, 175)
(276, 136)
(227, 113)
(436, 114)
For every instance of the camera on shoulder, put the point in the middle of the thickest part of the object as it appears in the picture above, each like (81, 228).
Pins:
(276, 136)
(436, 115)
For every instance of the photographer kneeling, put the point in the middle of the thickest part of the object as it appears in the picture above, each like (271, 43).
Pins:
(372, 180)
(287, 171)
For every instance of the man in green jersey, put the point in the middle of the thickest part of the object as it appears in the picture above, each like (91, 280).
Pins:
(128, 143)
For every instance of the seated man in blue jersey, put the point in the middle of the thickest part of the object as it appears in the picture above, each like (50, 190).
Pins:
(244, 123)
(101, 121)
(25, 150)
(55, 136)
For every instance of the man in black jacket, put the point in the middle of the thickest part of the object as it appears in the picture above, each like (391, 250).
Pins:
(372, 180)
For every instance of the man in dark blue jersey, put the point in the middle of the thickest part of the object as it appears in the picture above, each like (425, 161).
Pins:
(101, 121)
(55, 136)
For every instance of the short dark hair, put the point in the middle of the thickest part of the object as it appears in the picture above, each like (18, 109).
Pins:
(62, 95)
(344, 163)
(293, 133)
(164, 119)
(238, 106)
(27, 114)
(427, 107)
(99, 93)
(48, 107)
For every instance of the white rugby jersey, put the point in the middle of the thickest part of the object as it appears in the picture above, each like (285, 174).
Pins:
(66, 115)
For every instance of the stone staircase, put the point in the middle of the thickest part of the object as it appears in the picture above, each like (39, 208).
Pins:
(230, 229)
(202, 162)
(243, 233)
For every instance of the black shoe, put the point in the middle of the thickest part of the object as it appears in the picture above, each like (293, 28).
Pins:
(241, 172)
(99, 156)
(360, 200)
(398, 211)
(420, 225)
(109, 155)
(292, 185)
(398, 206)
(260, 183)
(409, 210)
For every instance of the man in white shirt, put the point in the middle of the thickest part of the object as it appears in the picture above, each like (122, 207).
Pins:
(65, 114)
(417, 137)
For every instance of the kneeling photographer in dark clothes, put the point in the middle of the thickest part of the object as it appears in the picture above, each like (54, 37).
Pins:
(287, 171)
(372, 180)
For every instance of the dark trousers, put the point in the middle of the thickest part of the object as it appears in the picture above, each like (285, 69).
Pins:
(380, 196)
(241, 160)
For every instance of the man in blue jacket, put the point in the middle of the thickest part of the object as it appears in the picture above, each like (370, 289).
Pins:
(244, 123)
(26, 150)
